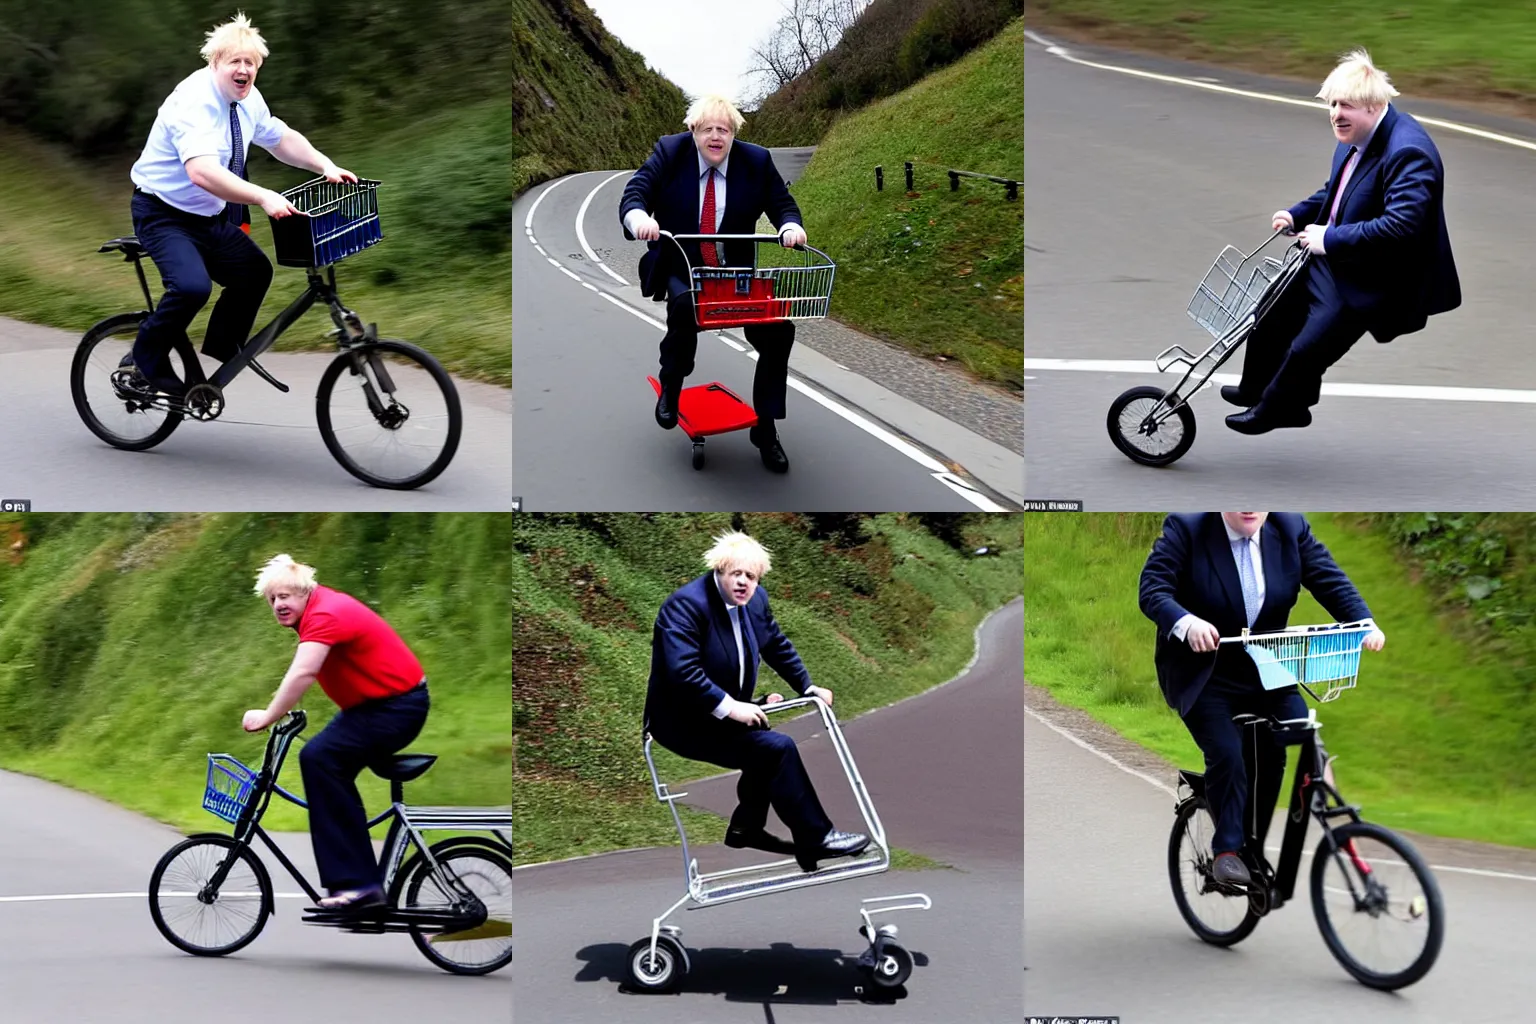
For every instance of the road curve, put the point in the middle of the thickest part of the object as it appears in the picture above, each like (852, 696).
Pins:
(941, 770)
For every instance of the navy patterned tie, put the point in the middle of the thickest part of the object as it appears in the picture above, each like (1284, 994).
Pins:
(235, 211)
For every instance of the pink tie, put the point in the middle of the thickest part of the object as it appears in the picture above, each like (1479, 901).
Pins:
(1349, 169)
(707, 221)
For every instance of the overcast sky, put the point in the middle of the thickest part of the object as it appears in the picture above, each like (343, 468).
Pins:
(702, 45)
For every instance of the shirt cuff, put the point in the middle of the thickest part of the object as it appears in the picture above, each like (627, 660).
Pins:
(790, 224)
(1182, 626)
(724, 706)
(1321, 248)
(630, 222)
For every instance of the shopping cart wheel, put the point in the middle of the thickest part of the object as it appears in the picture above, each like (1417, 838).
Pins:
(661, 972)
(1161, 445)
(893, 966)
(698, 454)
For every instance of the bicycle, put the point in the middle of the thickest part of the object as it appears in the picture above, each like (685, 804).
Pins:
(210, 895)
(1363, 875)
(1156, 427)
(365, 423)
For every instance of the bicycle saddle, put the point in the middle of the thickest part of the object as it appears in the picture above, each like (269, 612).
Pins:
(128, 245)
(403, 767)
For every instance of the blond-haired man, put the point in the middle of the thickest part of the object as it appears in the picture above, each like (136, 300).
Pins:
(703, 181)
(1380, 254)
(190, 197)
(705, 648)
(364, 666)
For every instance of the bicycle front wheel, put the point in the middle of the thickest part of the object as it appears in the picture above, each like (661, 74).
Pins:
(394, 419)
(121, 417)
(204, 921)
(1159, 445)
(473, 868)
(1214, 916)
(1377, 905)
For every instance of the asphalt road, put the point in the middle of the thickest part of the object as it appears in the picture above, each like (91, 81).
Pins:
(1102, 934)
(584, 436)
(101, 960)
(264, 453)
(941, 769)
(1134, 187)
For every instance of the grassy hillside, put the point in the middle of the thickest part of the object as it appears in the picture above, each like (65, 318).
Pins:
(875, 619)
(939, 272)
(130, 645)
(1479, 50)
(581, 100)
(1436, 738)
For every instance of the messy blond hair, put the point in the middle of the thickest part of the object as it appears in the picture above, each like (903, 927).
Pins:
(283, 571)
(711, 106)
(237, 36)
(1357, 81)
(737, 549)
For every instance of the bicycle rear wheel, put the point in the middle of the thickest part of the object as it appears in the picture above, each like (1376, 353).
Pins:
(121, 418)
(394, 421)
(209, 923)
(1377, 905)
(479, 870)
(1214, 916)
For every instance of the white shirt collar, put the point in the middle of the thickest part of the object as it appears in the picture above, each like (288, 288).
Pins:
(704, 164)
(1361, 148)
(1233, 536)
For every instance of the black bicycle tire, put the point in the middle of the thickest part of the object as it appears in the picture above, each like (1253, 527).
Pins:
(435, 369)
(77, 371)
(1185, 414)
(408, 882)
(1245, 927)
(257, 869)
(1436, 906)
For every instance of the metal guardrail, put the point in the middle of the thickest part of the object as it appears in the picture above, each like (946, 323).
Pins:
(1011, 184)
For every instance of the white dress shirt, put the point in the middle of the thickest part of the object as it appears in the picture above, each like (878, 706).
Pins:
(194, 121)
(734, 613)
(1254, 553)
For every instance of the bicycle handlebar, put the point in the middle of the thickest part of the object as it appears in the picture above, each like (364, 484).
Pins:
(728, 238)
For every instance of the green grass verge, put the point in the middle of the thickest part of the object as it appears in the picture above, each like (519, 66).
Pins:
(1473, 49)
(885, 619)
(939, 272)
(131, 644)
(55, 211)
(1426, 741)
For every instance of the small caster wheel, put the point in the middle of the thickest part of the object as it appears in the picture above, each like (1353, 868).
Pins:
(892, 967)
(661, 972)
(698, 456)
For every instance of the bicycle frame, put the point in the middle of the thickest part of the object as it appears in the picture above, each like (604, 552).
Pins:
(406, 824)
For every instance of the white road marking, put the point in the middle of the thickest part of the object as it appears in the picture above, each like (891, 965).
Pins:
(1421, 392)
(1149, 780)
(1198, 83)
(581, 235)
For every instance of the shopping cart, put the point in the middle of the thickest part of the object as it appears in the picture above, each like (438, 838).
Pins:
(1156, 427)
(769, 291)
(658, 962)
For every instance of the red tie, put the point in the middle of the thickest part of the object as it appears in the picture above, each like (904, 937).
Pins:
(707, 221)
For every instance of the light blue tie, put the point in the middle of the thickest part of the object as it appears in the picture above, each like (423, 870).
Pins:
(1250, 580)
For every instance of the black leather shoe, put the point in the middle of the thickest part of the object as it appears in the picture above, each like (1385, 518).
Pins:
(757, 839)
(666, 407)
(1229, 869)
(768, 446)
(836, 844)
(1259, 421)
(1234, 394)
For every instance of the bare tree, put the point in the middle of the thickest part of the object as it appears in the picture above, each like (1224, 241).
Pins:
(808, 30)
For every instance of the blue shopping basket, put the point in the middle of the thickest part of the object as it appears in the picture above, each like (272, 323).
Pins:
(229, 787)
(338, 219)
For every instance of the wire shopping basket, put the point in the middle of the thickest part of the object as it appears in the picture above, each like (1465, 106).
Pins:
(1324, 660)
(338, 219)
(743, 296)
(1232, 288)
(229, 787)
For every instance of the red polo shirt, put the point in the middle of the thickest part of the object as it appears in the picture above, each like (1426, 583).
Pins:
(367, 658)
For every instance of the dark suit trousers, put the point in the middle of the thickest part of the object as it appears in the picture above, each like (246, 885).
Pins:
(1228, 770)
(331, 762)
(771, 774)
(772, 341)
(193, 253)
(1306, 331)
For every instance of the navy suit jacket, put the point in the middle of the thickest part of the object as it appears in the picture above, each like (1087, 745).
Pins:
(1388, 249)
(693, 655)
(667, 187)
(1191, 570)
